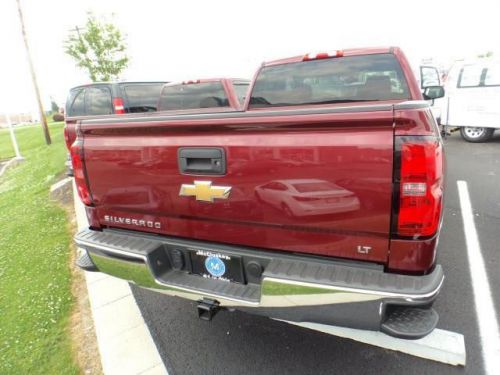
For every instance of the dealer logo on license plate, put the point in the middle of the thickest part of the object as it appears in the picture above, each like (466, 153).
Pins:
(215, 266)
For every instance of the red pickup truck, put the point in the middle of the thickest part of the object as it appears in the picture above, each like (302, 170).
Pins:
(319, 201)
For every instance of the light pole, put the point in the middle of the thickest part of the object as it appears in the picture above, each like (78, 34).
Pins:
(13, 138)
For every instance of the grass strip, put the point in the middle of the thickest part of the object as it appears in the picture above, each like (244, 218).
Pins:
(35, 279)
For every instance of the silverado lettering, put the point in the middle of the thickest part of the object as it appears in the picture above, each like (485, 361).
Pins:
(129, 221)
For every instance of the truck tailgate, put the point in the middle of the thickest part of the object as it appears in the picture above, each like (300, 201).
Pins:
(317, 183)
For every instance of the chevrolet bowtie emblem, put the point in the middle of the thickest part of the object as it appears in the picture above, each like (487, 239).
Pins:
(204, 191)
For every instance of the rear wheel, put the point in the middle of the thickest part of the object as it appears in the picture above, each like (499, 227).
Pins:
(473, 134)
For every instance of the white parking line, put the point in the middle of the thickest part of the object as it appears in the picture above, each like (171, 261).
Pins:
(440, 345)
(485, 310)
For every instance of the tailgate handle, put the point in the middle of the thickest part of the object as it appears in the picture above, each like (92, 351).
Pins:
(202, 160)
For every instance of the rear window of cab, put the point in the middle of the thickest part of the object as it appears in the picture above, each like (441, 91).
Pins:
(193, 96)
(142, 97)
(334, 80)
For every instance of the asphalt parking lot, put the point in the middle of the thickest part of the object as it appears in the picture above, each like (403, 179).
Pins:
(237, 343)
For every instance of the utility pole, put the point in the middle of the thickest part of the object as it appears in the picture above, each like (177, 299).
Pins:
(43, 119)
(13, 138)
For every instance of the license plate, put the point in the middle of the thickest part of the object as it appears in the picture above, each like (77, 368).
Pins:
(214, 265)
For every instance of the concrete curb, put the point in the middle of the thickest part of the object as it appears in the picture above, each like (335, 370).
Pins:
(124, 341)
(440, 346)
(12, 162)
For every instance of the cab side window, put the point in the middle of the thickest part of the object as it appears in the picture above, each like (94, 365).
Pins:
(241, 90)
(470, 76)
(76, 103)
(193, 96)
(492, 77)
(98, 101)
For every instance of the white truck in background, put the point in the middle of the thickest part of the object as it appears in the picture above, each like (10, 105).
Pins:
(472, 99)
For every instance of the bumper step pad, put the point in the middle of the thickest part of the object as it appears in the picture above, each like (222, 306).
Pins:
(410, 322)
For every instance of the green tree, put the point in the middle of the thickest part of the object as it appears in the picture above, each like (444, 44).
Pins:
(99, 48)
(53, 106)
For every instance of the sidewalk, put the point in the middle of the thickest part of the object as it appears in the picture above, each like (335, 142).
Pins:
(125, 343)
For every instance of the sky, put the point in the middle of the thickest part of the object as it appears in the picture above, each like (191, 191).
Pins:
(177, 40)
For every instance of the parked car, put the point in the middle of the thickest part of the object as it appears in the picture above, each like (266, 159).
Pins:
(108, 98)
(304, 197)
(472, 99)
(217, 93)
(352, 124)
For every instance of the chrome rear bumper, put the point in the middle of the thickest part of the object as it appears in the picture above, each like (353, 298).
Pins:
(291, 287)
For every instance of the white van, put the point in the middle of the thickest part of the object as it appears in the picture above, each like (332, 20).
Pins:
(472, 100)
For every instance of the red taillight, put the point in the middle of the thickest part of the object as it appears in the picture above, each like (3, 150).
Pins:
(79, 172)
(322, 55)
(419, 184)
(66, 138)
(191, 82)
(118, 106)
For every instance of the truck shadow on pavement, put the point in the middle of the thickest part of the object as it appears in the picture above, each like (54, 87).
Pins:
(239, 343)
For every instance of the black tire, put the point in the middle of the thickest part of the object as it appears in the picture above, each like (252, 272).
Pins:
(475, 134)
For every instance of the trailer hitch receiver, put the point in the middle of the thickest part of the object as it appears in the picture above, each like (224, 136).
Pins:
(207, 308)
